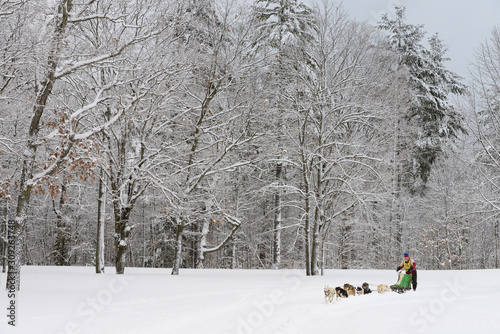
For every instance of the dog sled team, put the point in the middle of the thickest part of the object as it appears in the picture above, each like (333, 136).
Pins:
(349, 290)
(346, 291)
(406, 279)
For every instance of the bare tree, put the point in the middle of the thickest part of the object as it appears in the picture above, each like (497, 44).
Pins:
(484, 124)
(62, 64)
(339, 101)
(213, 119)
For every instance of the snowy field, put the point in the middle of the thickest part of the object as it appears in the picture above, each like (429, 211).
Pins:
(57, 300)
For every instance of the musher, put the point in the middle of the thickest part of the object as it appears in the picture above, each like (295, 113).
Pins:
(410, 267)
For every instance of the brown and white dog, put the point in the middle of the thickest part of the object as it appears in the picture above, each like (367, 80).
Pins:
(351, 291)
(329, 294)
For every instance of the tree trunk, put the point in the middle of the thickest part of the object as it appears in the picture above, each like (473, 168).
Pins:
(101, 216)
(234, 263)
(62, 238)
(122, 233)
(395, 217)
(497, 241)
(343, 247)
(306, 226)
(317, 220)
(315, 248)
(277, 219)
(178, 247)
(122, 192)
(202, 244)
(121, 251)
(322, 261)
(14, 268)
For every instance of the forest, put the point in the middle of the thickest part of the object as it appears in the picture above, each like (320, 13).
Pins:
(242, 134)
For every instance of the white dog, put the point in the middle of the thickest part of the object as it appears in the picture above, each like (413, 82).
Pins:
(329, 294)
(382, 288)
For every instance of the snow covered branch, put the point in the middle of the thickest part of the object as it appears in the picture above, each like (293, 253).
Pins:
(236, 224)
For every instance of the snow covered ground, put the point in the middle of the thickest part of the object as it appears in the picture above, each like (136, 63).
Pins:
(57, 300)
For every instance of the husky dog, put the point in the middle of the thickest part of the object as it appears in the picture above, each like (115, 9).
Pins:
(329, 294)
(382, 288)
(366, 288)
(340, 293)
(360, 291)
(350, 289)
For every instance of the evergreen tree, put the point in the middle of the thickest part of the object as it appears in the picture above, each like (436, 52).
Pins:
(284, 22)
(431, 114)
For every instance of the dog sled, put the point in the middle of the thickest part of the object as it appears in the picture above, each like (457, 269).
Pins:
(403, 284)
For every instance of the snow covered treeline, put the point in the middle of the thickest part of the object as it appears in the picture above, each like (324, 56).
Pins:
(204, 133)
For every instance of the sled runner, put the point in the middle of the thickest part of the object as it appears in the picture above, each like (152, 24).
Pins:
(403, 283)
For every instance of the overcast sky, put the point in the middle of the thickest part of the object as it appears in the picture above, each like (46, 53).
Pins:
(461, 24)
